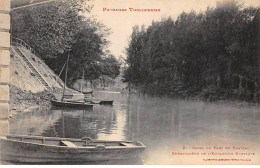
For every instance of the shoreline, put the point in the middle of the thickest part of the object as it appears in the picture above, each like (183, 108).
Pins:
(27, 101)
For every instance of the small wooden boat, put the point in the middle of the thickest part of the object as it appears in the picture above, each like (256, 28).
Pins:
(85, 92)
(37, 149)
(88, 96)
(72, 104)
(66, 100)
(99, 101)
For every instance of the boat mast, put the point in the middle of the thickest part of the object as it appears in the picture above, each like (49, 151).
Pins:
(65, 77)
(82, 80)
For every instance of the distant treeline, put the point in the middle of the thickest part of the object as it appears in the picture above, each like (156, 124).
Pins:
(214, 54)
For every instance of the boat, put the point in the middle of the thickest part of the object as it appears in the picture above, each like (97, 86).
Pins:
(38, 149)
(73, 104)
(85, 92)
(99, 101)
(65, 102)
(89, 98)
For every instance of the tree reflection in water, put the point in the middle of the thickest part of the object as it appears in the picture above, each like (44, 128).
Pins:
(162, 124)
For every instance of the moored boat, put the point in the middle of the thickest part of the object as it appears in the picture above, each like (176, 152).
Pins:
(88, 96)
(72, 104)
(66, 100)
(87, 92)
(37, 149)
(99, 101)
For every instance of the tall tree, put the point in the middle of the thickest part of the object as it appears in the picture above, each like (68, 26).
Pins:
(58, 29)
(215, 52)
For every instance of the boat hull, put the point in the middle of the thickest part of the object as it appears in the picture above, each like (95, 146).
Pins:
(91, 92)
(99, 101)
(17, 151)
(71, 104)
(106, 102)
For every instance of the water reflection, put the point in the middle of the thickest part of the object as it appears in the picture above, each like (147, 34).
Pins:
(162, 124)
(82, 123)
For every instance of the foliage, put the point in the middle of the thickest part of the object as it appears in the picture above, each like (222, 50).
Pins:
(48, 28)
(58, 29)
(197, 52)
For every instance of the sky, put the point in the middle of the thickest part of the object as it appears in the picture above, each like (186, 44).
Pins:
(121, 22)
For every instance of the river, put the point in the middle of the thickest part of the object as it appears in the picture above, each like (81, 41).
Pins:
(164, 125)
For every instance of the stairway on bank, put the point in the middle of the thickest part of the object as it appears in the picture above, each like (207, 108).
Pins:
(40, 70)
(32, 68)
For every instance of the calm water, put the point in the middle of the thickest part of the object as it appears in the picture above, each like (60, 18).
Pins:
(162, 124)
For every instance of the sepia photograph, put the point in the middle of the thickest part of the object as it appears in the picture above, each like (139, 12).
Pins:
(129, 82)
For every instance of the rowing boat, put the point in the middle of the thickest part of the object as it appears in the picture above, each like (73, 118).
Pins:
(38, 149)
(99, 101)
(73, 104)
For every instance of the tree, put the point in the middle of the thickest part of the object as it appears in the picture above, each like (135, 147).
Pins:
(48, 28)
(58, 29)
(207, 53)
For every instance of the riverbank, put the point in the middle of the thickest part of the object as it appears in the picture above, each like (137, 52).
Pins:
(206, 94)
(27, 92)
(25, 101)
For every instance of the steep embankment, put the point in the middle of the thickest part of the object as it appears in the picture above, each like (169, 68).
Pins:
(26, 92)
(33, 83)
(22, 78)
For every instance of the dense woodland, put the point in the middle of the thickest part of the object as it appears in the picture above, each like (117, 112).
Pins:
(214, 54)
(61, 28)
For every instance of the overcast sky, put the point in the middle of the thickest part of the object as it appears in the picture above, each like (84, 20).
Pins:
(121, 23)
